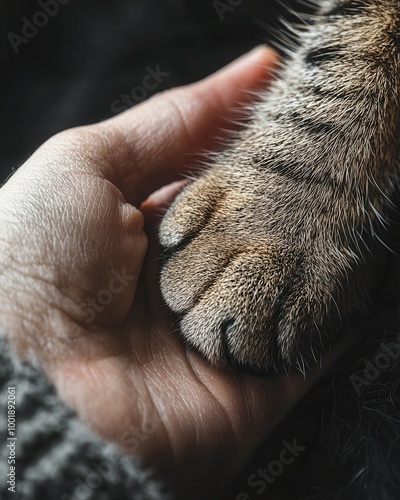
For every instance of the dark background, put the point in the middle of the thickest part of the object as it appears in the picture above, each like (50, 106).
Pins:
(91, 52)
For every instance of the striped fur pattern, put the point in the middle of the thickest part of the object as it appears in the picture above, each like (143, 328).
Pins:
(267, 249)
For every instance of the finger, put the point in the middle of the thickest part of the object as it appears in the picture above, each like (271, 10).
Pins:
(152, 142)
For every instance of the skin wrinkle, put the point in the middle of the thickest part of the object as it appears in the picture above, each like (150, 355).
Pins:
(131, 154)
(152, 393)
(124, 157)
(177, 113)
(175, 110)
(227, 414)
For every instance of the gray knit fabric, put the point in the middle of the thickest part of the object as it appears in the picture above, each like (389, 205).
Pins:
(57, 456)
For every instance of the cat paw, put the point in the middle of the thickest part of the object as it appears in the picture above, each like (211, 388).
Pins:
(251, 285)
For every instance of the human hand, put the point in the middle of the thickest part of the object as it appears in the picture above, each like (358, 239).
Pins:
(78, 294)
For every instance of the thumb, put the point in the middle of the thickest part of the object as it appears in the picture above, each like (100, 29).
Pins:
(149, 144)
